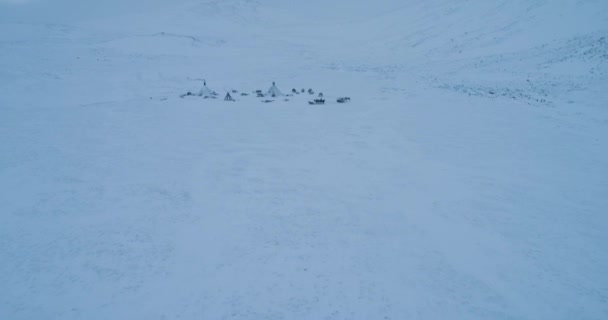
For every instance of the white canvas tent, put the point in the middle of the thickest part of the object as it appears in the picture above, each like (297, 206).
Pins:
(274, 91)
(206, 92)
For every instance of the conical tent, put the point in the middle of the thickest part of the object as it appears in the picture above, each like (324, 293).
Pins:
(206, 92)
(274, 91)
(228, 97)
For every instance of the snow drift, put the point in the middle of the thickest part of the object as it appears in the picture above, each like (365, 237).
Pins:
(465, 180)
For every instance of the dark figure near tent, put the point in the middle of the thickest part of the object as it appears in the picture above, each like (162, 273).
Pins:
(320, 94)
(294, 91)
(228, 97)
(186, 94)
(303, 90)
(310, 91)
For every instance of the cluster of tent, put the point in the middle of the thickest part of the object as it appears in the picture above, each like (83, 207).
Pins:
(273, 92)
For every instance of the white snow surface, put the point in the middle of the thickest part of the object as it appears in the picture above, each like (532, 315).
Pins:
(466, 179)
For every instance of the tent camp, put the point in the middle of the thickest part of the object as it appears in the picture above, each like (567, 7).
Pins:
(228, 97)
(274, 91)
(206, 92)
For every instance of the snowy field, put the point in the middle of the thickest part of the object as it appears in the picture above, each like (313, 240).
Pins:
(467, 178)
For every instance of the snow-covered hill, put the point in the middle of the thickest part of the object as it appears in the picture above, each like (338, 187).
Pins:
(466, 179)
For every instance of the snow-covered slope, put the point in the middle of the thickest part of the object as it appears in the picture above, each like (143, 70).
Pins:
(467, 178)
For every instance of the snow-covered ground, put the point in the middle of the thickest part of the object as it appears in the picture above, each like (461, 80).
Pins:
(466, 179)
